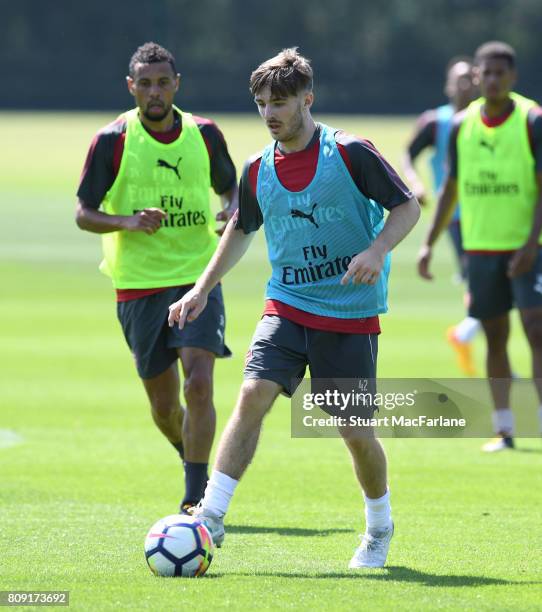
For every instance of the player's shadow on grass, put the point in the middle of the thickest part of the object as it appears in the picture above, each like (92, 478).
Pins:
(395, 573)
(400, 573)
(284, 531)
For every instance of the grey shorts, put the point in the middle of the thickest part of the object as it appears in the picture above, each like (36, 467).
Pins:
(154, 344)
(493, 294)
(281, 350)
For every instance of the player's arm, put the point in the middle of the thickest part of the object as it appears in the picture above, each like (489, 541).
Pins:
(523, 259)
(424, 137)
(446, 204)
(229, 202)
(92, 220)
(378, 181)
(96, 179)
(231, 248)
(234, 243)
(367, 265)
(441, 219)
(223, 173)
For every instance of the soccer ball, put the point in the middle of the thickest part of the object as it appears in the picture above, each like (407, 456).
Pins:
(179, 545)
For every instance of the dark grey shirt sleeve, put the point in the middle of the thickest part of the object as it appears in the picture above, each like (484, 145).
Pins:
(424, 136)
(223, 173)
(372, 174)
(535, 136)
(250, 217)
(98, 173)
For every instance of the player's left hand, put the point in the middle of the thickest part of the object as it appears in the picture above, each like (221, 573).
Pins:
(365, 267)
(522, 260)
(225, 215)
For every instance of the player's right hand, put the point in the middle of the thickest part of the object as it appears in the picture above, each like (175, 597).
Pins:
(188, 308)
(147, 220)
(424, 258)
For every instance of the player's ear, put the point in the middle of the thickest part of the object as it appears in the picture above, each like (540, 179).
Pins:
(513, 77)
(449, 88)
(130, 84)
(309, 99)
(476, 76)
(177, 81)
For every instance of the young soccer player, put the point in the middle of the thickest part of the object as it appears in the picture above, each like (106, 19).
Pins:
(496, 169)
(150, 172)
(314, 186)
(433, 131)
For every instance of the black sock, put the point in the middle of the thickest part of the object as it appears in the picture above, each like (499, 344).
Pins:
(195, 478)
(180, 448)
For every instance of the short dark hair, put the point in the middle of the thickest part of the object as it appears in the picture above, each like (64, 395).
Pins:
(151, 53)
(495, 49)
(286, 74)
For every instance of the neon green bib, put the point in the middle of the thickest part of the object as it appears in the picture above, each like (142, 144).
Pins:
(496, 179)
(174, 177)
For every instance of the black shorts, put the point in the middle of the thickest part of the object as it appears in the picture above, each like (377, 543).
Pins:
(154, 344)
(281, 350)
(493, 294)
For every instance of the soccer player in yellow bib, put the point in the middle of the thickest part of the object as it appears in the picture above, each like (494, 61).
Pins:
(496, 170)
(145, 188)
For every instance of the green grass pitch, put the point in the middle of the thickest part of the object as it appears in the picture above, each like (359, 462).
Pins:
(84, 473)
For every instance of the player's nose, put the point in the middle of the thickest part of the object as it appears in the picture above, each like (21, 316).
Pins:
(267, 112)
(154, 91)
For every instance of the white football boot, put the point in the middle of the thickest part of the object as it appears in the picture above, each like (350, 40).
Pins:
(213, 522)
(499, 443)
(373, 550)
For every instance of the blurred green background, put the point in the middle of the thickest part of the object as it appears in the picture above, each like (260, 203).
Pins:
(83, 471)
(369, 57)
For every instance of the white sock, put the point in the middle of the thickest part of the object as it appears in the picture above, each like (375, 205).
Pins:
(218, 493)
(378, 512)
(503, 422)
(540, 418)
(466, 329)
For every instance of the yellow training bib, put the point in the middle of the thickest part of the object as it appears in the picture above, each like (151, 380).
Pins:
(174, 177)
(496, 179)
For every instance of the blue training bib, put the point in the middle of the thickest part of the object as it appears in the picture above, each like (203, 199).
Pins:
(442, 138)
(439, 159)
(312, 235)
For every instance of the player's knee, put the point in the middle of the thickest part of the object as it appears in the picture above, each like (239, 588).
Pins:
(198, 388)
(255, 397)
(361, 439)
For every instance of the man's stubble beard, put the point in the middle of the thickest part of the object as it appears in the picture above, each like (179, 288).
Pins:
(157, 118)
(296, 125)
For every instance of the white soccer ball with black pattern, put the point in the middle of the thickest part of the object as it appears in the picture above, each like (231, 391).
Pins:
(179, 545)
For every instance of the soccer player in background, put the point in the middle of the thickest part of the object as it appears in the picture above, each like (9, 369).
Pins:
(433, 131)
(320, 194)
(496, 170)
(145, 188)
